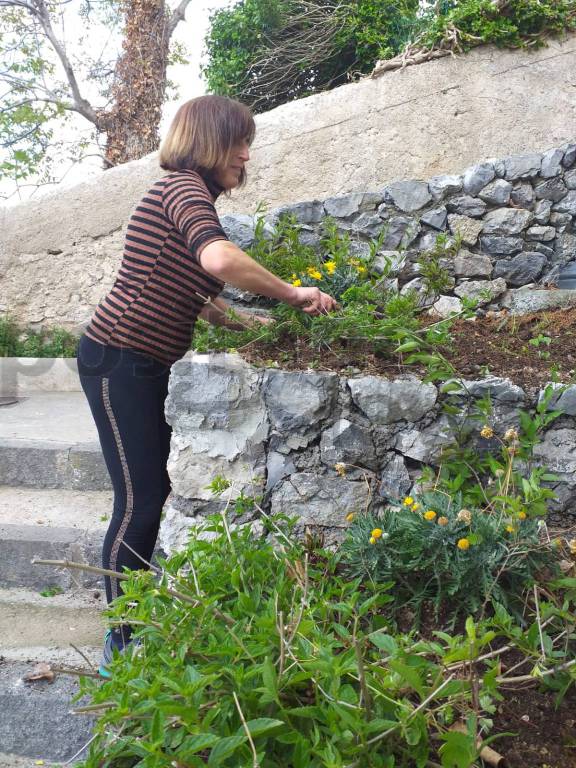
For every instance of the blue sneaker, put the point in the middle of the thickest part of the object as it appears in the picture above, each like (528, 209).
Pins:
(108, 653)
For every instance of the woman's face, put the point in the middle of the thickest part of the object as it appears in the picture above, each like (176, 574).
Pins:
(228, 174)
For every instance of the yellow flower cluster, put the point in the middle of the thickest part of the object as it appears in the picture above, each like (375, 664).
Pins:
(487, 432)
(443, 520)
(314, 273)
(463, 544)
(330, 267)
(375, 535)
(430, 515)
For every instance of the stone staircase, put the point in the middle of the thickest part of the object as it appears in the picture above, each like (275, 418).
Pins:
(54, 504)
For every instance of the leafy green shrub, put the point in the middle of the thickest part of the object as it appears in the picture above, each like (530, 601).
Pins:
(454, 559)
(17, 342)
(371, 312)
(259, 653)
(512, 24)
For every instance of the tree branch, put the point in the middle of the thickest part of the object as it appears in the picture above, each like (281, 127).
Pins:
(177, 15)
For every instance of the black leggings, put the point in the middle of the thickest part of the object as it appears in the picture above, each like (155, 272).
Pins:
(126, 392)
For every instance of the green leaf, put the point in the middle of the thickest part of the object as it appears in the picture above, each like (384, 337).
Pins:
(261, 725)
(226, 747)
(384, 642)
(193, 744)
(458, 750)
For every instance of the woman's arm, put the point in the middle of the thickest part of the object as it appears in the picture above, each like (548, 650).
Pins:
(230, 264)
(216, 312)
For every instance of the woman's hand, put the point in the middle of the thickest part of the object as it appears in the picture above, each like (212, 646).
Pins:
(313, 301)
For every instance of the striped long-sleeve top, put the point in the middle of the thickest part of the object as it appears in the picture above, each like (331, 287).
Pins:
(161, 287)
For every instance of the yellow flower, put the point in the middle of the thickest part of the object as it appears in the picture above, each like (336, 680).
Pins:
(464, 516)
(361, 269)
(443, 520)
(340, 467)
(521, 515)
(510, 529)
(486, 432)
(296, 283)
(415, 507)
(330, 267)
(294, 276)
(572, 547)
(376, 533)
(372, 540)
(510, 435)
(429, 515)
(350, 517)
(463, 544)
(408, 501)
(314, 273)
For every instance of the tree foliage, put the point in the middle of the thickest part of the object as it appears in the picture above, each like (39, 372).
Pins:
(265, 52)
(118, 85)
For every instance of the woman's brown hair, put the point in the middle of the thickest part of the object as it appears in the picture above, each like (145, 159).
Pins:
(203, 133)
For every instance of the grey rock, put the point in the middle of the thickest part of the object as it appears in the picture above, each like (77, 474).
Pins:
(477, 177)
(550, 277)
(541, 233)
(523, 301)
(442, 186)
(419, 287)
(427, 242)
(567, 205)
(553, 189)
(466, 205)
(506, 221)
(522, 166)
(468, 229)
(278, 467)
(564, 399)
(319, 499)
(359, 249)
(557, 452)
(570, 179)
(297, 401)
(482, 291)
(499, 389)
(400, 231)
(240, 229)
(435, 218)
(395, 481)
(446, 306)
(385, 402)
(499, 167)
(501, 245)
(545, 250)
(561, 221)
(468, 264)
(388, 263)
(522, 269)
(309, 238)
(369, 224)
(569, 155)
(522, 195)
(426, 444)
(347, 443)
(408, 196)
(552, 163)
(542, 211)
(565, 248)
(308, 212)
(497, 193)
(355, 202)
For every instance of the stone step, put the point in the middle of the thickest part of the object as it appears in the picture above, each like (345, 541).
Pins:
(49, 440)
(51, 524)
(36, 722)
(29, 619)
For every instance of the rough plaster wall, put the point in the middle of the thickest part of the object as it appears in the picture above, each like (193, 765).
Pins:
(434, 118)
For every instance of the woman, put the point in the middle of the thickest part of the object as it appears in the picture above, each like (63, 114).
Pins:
(176, 261)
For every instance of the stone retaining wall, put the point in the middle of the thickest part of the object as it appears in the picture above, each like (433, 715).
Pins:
(280, 434)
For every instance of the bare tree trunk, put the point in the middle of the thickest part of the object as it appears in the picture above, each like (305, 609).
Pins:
(131, 126)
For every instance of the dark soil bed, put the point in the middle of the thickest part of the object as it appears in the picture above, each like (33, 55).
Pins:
(525, 349)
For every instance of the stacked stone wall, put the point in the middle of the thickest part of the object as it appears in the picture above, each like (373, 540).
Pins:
(283, 436)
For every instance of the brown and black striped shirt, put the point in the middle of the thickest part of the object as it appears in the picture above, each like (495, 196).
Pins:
(161, 288)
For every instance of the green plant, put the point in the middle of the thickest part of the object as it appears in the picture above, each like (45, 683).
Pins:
(51, 591)
(442, 555)
(19, 342)
(432, 264)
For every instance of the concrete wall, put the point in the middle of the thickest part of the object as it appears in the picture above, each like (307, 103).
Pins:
(58, 253)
